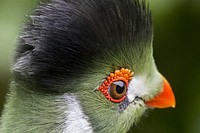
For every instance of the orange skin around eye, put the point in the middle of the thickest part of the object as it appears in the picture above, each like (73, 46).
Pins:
(124, 75)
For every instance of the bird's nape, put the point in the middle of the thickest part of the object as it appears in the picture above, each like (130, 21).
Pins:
(84, 66)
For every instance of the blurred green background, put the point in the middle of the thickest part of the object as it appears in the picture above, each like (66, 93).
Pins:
(176, 51)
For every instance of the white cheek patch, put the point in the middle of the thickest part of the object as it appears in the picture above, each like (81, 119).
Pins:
(136, 88)
(76, 120)
(144, 87)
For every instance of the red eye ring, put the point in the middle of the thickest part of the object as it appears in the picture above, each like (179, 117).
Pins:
(124, 75)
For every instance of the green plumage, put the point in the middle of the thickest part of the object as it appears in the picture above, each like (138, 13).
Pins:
(68, 49)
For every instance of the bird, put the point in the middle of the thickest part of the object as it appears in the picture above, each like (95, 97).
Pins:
(84, 66)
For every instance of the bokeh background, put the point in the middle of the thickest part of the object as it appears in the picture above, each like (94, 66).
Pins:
(176, 51)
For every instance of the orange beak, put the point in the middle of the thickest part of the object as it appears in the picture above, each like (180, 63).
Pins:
(165, 99)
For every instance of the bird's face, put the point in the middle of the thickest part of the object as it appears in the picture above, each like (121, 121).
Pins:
(118, 96)
(97, 53)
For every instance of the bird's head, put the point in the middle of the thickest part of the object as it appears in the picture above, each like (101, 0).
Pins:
(98, 54)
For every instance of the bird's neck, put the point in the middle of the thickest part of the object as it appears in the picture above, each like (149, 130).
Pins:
(28, 111)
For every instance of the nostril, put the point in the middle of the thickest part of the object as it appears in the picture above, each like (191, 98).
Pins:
(137, 98)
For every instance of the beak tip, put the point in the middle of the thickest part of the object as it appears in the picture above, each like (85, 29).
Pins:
(174, 105)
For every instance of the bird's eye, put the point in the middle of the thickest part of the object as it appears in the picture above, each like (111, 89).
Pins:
(117, 89)
(115, 86)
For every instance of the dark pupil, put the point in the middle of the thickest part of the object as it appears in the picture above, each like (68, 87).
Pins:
(119, 89)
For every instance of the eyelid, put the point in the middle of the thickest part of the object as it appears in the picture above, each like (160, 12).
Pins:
(119, 83)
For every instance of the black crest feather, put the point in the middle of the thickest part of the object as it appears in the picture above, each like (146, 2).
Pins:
(65, 36)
